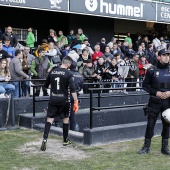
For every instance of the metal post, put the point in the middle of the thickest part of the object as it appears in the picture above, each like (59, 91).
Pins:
(19, 89)
(12, 114)
(12, 110)
(99, 99)
(91, 109)
(33, 101)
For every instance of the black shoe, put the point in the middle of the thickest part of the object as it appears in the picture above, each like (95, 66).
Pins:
(43, 146)
(68, 142)
(164, 149)
(146, 147)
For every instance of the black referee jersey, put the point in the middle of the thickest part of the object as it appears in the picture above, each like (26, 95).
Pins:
(62, 85)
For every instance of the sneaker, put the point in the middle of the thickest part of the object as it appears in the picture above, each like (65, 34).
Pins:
(43, 146)
(68, 142)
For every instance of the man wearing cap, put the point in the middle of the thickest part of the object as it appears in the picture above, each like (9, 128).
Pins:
(157, 84)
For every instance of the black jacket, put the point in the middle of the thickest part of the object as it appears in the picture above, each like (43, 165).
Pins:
(12, 37)
(78, 80)
(151, 57)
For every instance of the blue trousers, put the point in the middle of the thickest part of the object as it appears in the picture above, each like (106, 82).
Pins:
(6, 88)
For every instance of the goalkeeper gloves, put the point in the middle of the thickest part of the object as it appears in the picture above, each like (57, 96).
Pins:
(75, 106)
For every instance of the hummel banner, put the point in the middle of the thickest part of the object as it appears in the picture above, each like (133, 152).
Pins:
(131, 9)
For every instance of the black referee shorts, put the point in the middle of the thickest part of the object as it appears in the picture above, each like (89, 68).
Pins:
(62, 110)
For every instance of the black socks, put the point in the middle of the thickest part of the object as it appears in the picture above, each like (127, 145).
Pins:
(47, 130)
(65, 131)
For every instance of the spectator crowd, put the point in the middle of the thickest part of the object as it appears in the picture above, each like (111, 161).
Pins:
(114, 62)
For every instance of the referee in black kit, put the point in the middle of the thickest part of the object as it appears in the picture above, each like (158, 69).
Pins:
(62, 86)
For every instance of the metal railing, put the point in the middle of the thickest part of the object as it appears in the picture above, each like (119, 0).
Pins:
(92, 108)
(22, 80)
(91, 97)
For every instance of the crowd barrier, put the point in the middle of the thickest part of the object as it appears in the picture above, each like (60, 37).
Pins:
(110, 107)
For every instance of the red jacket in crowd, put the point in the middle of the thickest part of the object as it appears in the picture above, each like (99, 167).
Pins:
(96, 54)
(142, 71)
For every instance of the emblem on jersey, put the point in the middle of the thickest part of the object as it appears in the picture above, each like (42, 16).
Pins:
(55, 3)
(157, 73)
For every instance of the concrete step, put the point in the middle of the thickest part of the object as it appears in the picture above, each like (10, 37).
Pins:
(75, 136)
(100, 118)
(105, 134)
(117, 133)
(27, 120)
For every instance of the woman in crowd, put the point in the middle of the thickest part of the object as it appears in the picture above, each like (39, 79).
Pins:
(53, 55)
(5, 87)
(52, 37)
(81, 61)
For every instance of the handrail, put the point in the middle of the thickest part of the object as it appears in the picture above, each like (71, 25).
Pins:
(110, 107)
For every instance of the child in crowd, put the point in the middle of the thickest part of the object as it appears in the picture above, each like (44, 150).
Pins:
(112, 72)
(123, 69)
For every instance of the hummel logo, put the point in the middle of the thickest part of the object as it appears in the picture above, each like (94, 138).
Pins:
(91, 5)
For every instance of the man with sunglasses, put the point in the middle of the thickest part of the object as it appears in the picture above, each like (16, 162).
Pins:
(157, 84)
(62, 86)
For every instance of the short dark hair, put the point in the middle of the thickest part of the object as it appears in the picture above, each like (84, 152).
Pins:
(75, 49)
(40, 50)
(116, 54)
(67, 60)
(66, 45)
(18, 51)
(85, 40)
(44, 41)
(107, 47)
(7, 39)
(150, 45)
(84, 50)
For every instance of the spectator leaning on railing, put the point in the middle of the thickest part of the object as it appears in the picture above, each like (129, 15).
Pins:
(5, 87)
(40, 67)
(26, 65)
(88, 74)
(16, 72)
(133, 74)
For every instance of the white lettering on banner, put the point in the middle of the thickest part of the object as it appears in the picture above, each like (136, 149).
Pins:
(15, 1)
(120, 9)
(165, 15)
(165, 12)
